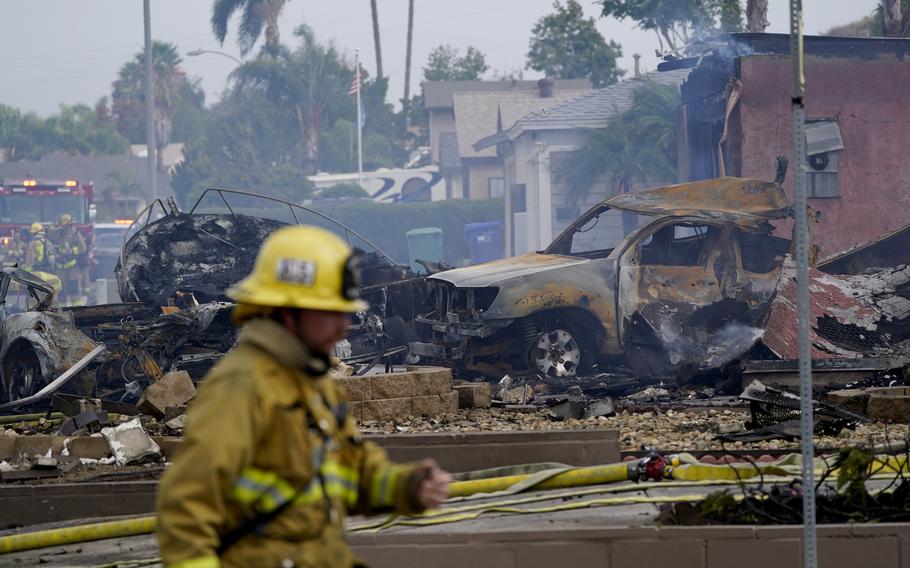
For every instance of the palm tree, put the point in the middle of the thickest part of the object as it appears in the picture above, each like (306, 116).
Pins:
(639, 145)
(311, 82)
(255, 14)
(128, 97)
(756, 15)
(377, 46)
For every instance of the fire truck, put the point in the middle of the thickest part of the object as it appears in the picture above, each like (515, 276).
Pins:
(23, 202)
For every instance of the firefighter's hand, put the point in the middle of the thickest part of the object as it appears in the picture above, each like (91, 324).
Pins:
(434, 490)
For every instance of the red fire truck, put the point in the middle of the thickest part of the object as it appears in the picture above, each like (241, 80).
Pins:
(23, 202)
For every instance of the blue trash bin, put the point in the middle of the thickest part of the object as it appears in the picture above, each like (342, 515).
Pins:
(484, 240)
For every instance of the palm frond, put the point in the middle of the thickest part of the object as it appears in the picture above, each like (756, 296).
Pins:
(222, 11)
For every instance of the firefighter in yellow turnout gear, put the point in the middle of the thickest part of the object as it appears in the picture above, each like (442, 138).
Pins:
(71, 254)
(39, 257)
(272, 461)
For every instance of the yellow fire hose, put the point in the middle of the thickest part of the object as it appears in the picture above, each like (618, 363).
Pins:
(82, 533)
(692, 473)
(35, 417)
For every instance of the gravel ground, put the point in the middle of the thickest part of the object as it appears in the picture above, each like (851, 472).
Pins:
(667, 431)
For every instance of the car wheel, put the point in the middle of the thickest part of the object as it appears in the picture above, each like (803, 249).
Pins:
(24, 376)
(556, 354)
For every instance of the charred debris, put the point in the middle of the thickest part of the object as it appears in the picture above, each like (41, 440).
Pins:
(172, 274)
(695, 300)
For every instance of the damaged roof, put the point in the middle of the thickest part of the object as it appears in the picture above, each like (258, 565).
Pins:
(738, 200)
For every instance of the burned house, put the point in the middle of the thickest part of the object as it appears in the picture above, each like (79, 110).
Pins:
(735, 118)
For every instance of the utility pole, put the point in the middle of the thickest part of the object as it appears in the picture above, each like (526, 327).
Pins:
(806, 419)
(407, 63)
(151, 160)
(359, 80)
(376, 44)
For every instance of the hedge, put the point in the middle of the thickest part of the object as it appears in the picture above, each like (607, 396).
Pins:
(385, 224)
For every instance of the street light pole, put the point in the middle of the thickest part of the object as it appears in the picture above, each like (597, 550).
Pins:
(806, 419)
(151, 160)
(197, 52)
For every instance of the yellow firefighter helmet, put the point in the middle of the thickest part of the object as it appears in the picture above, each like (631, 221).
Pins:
(36, 229)
(302, 267)
(65, 219)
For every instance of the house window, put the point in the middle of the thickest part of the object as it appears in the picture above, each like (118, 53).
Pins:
(823, 147)
(497, 187)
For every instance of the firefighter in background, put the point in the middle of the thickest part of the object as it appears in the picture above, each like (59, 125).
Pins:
(272, 459)
(39, 257)
(15, 249)
(72, 255)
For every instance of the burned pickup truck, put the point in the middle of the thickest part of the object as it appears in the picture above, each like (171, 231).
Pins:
(670, 282)
(665, 279)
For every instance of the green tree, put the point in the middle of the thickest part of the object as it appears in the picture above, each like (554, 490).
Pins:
(636, 146)
(248, 144)
(445, 63)
(566, 45)
(10, 125)
(678, 22)
(254, 16)
(867, 26)
(172, 90)
(75, 129)
(311, 82)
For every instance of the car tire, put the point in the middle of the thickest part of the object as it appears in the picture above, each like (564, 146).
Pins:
(556, 352)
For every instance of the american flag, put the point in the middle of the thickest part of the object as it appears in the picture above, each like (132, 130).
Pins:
(355, 84)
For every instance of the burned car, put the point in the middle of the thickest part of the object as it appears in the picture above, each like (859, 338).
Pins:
(197, 255)
(112, 350)
(665, 279)
(670, 282)
(173, 270)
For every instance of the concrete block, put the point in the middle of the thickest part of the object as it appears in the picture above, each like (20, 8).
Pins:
(393, 385)
(851, 399)
(130, 443)
(358, 388)
(891, 404)
(852, 552)
(433, 380)
(88, 447)
(549, 554)
(753, 553)
(172, 389)
(435, 404)
(474, 395)
(356, 410)
(386, 409)
(635, 553)
(172, 412)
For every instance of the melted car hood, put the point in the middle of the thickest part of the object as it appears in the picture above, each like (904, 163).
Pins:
(738, 200)
(491, 273)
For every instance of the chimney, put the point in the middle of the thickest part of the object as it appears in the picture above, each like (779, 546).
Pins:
(545, 88)
(637, 57)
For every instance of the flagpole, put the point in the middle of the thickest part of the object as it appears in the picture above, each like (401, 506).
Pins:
(359, 119)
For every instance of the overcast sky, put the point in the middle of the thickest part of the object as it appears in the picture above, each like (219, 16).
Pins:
(64, 51)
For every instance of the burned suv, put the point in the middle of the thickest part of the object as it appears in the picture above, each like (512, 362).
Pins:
(663, 279)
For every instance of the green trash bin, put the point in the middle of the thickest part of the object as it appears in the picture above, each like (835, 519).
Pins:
(426, 244)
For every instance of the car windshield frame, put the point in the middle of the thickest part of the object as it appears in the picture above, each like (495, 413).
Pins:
(562, 244)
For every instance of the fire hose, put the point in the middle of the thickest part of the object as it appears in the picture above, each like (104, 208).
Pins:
(653, 468)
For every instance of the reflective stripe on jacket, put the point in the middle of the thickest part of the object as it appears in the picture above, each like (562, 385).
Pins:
(261, 432)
